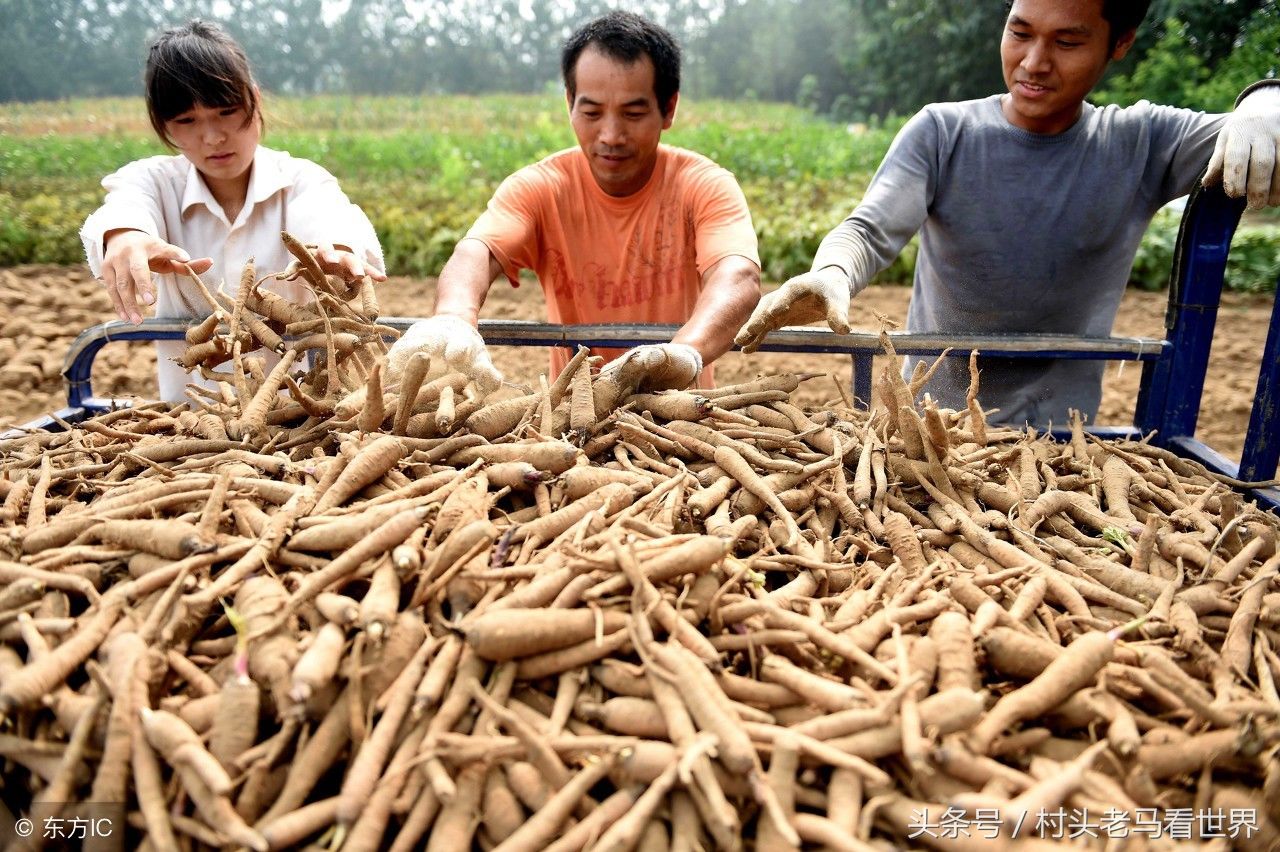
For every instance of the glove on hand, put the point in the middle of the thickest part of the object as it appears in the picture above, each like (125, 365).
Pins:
(1245, 158)
(659, 366)
(452, 344)
(816, 295)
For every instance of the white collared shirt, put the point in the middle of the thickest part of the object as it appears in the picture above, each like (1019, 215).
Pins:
(165, 197)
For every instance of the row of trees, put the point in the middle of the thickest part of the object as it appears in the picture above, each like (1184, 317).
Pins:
(1195, 53)
(850, 58)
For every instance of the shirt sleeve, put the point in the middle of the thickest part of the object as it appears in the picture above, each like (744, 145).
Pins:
(722, 221)
(893, 209)
(320, 212)
(133, 202)
(1182, 141)
(509, 224)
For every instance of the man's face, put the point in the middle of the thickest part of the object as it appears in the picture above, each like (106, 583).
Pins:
(616, 118)
(1053, 53)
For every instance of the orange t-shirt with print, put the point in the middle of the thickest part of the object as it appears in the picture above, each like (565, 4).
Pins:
(601, 259)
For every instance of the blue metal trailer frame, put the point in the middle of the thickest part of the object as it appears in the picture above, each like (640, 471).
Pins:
(1173, 369)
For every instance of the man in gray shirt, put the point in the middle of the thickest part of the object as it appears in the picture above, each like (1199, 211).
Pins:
(1030, 206)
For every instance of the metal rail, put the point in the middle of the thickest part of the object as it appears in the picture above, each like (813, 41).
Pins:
(1170, 395)
(860, 346)
(1262, 440)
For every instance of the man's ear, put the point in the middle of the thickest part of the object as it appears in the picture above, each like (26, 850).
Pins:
(669, 117)
(1123, 45)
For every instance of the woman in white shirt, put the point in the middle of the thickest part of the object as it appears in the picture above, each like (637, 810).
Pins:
(222, 200)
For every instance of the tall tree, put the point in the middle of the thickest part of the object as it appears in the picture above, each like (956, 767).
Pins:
(907, 53)
(768, 48)
(1213, 27)
(875, 56)
(59, 48)
(1187, 63)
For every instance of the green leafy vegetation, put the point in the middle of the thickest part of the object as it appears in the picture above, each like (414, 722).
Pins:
(1176, 71)
(423, 168)
(1252, 266)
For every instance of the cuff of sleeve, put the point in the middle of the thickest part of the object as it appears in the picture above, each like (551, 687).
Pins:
(335, 238)
(853, 257)
(373, 247)
(95, 229)
(1253, 87)
(711, 261)
(839, 260)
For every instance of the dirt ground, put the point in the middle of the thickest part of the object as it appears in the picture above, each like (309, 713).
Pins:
(44, 307)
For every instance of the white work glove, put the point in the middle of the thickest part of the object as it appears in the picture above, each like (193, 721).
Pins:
(1245, 158)
(453, 346)
(658, 366)
(820, 294)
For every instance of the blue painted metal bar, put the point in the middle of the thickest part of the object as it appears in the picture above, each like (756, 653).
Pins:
(46, 423)
(1262, 440)
(77, 368)
(862, 369)
(1106, 433)
(1268, 498)
(1171, 404)
(819, 340)
(1148, 407)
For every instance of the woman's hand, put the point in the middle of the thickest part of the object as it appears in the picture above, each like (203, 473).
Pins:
(341, 261)
(128, 262)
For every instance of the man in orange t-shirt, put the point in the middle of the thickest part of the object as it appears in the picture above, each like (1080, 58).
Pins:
(619, 229)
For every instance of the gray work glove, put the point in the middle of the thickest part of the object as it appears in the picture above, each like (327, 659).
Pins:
(659, 366)
(820, 294)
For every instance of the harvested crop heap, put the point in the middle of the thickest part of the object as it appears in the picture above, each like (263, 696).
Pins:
(371, 615)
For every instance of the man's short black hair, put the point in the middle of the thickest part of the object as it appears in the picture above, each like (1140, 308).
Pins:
(625, 36)
(1123, 16)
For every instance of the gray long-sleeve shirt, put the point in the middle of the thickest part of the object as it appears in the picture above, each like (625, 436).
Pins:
(1021, 232)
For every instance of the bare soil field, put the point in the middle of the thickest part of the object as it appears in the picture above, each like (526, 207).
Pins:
(44, 307)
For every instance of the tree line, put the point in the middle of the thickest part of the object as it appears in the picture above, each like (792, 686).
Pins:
(851, 59)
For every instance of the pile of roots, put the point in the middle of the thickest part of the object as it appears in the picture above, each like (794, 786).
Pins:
(315, 606)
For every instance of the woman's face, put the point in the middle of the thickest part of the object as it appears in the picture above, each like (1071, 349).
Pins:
(217, 140)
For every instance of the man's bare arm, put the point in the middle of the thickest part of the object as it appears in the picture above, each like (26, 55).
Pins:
(730, 290)
(465, 280)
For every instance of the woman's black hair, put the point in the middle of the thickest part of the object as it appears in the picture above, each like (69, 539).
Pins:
(197, 63)
(626, 37)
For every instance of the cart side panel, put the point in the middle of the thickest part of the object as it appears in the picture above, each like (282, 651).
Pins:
(1262, 442)
(1170, 404)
